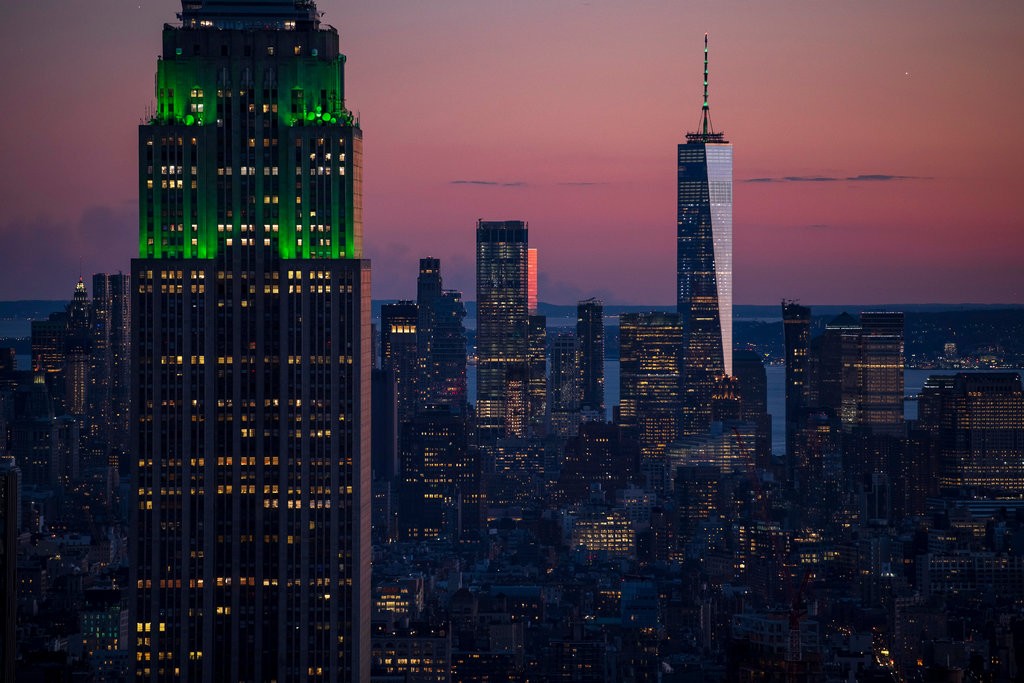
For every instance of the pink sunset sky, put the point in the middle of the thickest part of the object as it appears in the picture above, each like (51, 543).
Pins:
(879, 145)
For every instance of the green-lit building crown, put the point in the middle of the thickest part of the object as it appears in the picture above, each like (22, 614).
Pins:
(250, 144)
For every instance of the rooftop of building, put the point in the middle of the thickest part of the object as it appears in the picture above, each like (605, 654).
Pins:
(249, 14)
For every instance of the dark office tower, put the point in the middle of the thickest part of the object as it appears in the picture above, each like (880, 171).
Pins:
(441, 340)
(48, 337)
(873, 365)
(590, 337)
(537, 367)
(704, 263)
(599, 454)
(8, 565)
(977, 420)
(502, 337)
(250, 356)
(796, 320)
(564, 385)
(77, 352)
(428, 295)
(649, 399)
(753, 387)
(399, 354)
(449, 350)
(34, 435)
(828, 364)
(440, 478)
(109, 370)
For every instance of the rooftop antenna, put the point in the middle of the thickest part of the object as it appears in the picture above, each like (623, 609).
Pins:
(705, 113)
(705, 131)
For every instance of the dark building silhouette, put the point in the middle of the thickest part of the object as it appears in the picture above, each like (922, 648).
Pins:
(537, 383)
(753, 387)
(384, 426)
(399, 354)
(564, 384)
(590, 337)
(439, 495)
(250, 356)
(827, 362)
(600, 454)
(796, 321)
(441, 339)
(109, 371)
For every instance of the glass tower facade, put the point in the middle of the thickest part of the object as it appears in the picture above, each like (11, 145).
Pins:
(250, 356)
(704, 264)
(649, 381)
(502, 340)
(977, 422)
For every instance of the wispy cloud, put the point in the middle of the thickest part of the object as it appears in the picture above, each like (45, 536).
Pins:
(491, 183)
(581, 183)
(863, 177)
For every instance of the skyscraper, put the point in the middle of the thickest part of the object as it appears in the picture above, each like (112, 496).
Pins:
(796, 321)
(564, 385)
(649, 374)
(753, 379)
(441, 339)
(537, 384)
(77, 352)
(827, 361)
(872, 381)
(590, 337)
(250, 356)
(399, 354)
(704, 263)
(502, 339)
(440, 477)
(109, 371)
(976, 420)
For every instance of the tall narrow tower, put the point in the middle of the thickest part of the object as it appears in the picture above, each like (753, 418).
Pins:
(796, 320)
(502, 339)
(590, 336)
(704, 263)
(250, 356)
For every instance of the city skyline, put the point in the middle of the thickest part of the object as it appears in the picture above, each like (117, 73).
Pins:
(851, 123)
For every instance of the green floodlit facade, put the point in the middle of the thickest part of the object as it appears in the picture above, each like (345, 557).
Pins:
(258, 115)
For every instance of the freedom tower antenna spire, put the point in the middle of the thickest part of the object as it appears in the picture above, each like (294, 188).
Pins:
(705, 131)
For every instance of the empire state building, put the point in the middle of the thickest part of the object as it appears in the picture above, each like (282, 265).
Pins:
(250, 398)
